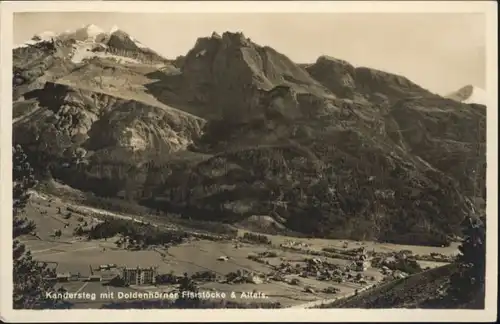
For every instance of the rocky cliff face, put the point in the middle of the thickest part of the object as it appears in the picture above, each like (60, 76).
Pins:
(351, 82)
(116, 133)
(334, 150)
(229, 72)
(336, 75)
(456, 148)
(39, 63)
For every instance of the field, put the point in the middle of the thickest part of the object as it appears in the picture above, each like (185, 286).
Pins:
(77, 255)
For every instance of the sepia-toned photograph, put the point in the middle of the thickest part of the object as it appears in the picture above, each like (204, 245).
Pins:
(302, 160)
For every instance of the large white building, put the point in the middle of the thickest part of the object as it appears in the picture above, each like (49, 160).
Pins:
(139, 276)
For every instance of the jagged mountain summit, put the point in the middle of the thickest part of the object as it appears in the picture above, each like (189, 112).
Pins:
(85, 33)
(233, 129)
(470, 94)
(90, 40)
(348, 81)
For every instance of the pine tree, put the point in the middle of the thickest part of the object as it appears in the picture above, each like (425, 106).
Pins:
(30, 284)
(469, 281)
(187, 293)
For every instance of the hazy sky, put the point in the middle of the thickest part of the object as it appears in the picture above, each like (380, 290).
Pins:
(440, 51)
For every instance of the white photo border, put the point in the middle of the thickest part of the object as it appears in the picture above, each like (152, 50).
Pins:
(8, 8)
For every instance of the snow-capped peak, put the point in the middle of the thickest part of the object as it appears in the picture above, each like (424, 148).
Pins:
(114, 29)
(84, 33)
(37, 38)
(93, 30)
(478, 96)
(87, 38)
(137, 43)
(46, 35)
(470, 95)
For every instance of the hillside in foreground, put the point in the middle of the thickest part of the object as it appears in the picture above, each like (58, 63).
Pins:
(235, 129)
(422, 290)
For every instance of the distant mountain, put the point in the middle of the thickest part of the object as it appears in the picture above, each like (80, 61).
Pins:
(470, 95)
(90, 41)
(233, 129)
(84, 33)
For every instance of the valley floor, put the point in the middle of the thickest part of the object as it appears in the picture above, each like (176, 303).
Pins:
(77, 255)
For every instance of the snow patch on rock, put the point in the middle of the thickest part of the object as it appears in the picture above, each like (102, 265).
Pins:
(93, 30)
(46, 35)
(136, 42)
(114, 29)
(83, 50)
(478, 96)
(470, 95)
(38, 38)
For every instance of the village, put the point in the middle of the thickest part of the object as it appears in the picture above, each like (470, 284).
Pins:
(318, 275)
(287, 270)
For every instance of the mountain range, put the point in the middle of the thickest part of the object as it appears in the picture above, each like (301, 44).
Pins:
(233, 129)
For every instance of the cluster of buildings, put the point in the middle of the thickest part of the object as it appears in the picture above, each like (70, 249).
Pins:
(362, 264)
(130, 275)
(294, 244)
(245, 276)
(320, 270)
(361, 260)
(68, 276)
